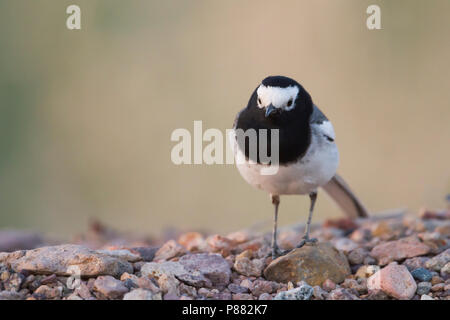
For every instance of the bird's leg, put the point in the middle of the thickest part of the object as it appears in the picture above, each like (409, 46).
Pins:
(276, 252)
(306, 239)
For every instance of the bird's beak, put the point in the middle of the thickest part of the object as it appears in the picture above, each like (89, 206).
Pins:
(270, 109)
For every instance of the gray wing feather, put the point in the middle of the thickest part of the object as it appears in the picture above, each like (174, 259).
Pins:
(317, 116)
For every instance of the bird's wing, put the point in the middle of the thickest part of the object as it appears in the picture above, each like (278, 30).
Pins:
(337, 188)
(232, 134)
(320, 121)
(317, 116)
(341, 193)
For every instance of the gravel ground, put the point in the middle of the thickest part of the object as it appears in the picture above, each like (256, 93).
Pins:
(387, 257)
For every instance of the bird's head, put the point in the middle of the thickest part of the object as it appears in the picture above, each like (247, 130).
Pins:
(278, 95)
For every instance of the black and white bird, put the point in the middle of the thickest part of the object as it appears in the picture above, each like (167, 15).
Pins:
(308, 155)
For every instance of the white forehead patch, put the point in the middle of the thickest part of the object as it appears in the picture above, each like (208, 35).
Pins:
(277, 96)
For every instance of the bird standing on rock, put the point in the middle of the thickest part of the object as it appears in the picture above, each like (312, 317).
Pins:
(307, 152)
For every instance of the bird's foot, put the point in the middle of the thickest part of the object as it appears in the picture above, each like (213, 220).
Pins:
(277, 252)
(306, 240)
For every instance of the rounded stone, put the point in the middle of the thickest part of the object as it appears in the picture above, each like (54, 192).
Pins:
(422, 274)
(311, 263)
(395, 280)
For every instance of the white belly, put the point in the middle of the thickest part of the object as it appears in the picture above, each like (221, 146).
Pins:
(315, 169)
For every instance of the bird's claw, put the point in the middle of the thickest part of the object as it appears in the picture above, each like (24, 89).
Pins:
(306, 240)
(277, 252)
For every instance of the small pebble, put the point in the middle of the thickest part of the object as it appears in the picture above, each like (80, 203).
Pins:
(436, 280)
(438, 287)
(235, 288)
(303, 292)
(423, 288)
(242, 296)
(265, 296)
(328, 285)
(421, 274)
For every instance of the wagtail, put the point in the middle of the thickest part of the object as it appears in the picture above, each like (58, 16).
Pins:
(308, 155)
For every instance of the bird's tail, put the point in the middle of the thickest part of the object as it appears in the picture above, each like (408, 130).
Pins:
(345, 198)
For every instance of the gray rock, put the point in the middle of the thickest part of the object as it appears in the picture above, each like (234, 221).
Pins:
(65, 260)
(259, 287)
(169, 286)
(211, 266)
(341, 294)
(242, 296)
(423, 288)
(10, 295)
(147, 253)
(14, 282)
(377, 295)
(415, 263)
(235, 288)
(147, 284)
(357, 256)
(109, 287)
(265, 296)
(45, 292)
(438, 262)
(188, 290)
(141, 294)
(175, 270)
(199, 270)
(155, 269)
(123, 254)
(304, 292)
(445, 271)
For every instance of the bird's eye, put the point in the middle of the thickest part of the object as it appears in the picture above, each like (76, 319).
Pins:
(289, 103)
(259, 100)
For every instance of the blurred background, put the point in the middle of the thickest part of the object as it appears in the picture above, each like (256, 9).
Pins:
(86, 116)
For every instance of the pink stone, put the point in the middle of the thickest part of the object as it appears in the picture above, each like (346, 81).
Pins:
(328, 285)
(169, 250)
(242, 296)
(210, 266)
(192, 241)
(394, 280)
(110, 287)
(262, 286)
(239, 236)
(399, 250)
(265, 296)
(220, 244)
